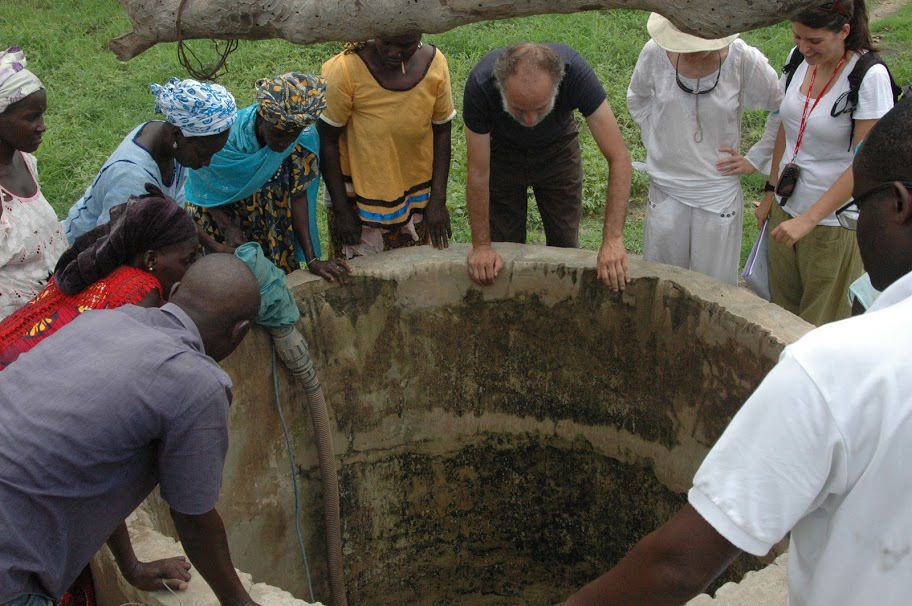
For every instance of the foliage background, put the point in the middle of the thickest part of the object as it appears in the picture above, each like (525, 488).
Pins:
(94, 99)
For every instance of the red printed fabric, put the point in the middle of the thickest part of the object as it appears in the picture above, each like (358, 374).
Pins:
(51, 309)
(82, 592)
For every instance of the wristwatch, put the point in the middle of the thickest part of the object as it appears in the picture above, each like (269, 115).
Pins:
(769, 187)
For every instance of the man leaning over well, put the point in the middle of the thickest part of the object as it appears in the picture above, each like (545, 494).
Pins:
(520, 133)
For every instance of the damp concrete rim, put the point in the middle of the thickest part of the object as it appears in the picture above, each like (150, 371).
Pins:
(523, 267)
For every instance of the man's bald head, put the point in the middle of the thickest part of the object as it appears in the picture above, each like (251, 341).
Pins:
(528, 61)
(222, 297)
(528, 76)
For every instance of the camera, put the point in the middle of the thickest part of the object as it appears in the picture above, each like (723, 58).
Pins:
(787, 181)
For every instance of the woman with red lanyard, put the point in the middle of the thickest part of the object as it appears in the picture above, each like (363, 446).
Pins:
(812, 261)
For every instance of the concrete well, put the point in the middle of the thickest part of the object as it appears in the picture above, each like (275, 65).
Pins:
(496, 446)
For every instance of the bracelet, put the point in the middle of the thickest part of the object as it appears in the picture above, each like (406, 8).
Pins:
(311, 261)
(769, 187)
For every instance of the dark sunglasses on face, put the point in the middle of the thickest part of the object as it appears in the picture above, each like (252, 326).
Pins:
(848, 214)
(691, 91)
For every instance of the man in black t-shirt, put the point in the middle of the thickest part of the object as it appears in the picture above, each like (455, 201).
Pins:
(520, 133)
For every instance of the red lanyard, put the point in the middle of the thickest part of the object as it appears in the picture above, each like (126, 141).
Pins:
(805, 114)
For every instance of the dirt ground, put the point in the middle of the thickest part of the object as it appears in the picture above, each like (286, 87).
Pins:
(886, 8)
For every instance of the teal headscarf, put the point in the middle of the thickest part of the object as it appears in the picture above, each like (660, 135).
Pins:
(242, 167)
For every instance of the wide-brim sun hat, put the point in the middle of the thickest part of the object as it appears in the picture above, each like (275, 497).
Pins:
(674, 40)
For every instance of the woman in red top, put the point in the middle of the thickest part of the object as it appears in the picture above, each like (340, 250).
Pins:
(134, 259)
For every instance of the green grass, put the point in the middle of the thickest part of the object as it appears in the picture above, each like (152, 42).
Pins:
(94, 100)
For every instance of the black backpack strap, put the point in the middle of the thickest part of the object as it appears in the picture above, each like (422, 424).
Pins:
(794, 60)
(864, 63)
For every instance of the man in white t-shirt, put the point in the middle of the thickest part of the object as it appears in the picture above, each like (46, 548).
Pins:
(822, 448)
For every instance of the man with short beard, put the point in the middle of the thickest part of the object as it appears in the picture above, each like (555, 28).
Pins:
(520, 133)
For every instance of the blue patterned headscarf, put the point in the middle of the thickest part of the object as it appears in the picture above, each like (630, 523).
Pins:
(197, 109)
(16, 82)
(291, 101)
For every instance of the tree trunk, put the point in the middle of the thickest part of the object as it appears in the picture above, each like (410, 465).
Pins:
(308, 21)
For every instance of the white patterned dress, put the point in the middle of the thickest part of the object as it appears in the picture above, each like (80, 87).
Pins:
(31, 241)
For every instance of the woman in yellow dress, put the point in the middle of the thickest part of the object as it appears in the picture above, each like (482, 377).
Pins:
(385, 146)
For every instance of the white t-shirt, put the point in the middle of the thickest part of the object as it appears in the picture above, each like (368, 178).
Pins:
(823, 449)
(679, 165)
(826, 151)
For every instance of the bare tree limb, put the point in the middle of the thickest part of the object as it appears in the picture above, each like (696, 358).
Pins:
(309, 21)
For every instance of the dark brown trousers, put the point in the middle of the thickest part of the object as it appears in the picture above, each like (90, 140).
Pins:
(556, 177)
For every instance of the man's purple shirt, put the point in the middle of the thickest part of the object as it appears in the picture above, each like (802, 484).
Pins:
(91, 420)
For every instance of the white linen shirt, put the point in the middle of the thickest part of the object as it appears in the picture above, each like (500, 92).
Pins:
(676, 163)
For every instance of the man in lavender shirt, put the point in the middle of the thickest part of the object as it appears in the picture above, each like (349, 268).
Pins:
(118, 402)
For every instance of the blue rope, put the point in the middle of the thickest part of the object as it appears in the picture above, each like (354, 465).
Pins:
(294, 475)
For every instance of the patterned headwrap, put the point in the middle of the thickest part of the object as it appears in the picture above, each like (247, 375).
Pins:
(16, 82)
(291, 101)
(197, 109)
(352, 47)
